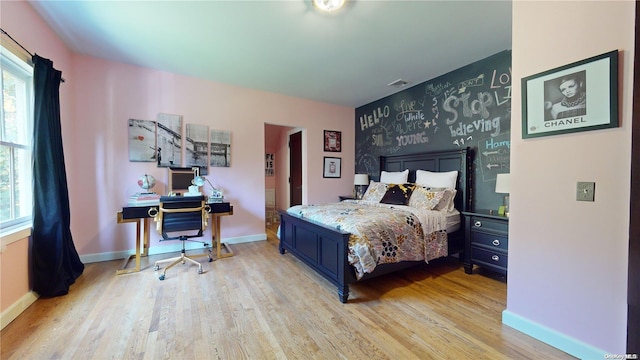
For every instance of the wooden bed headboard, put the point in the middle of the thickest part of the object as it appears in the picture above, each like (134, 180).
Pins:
(460, 160)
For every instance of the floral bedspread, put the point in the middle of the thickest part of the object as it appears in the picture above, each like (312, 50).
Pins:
(382, 233)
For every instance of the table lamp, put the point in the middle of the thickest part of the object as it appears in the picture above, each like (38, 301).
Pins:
(502, 187)
(360, 181)
(216, 195)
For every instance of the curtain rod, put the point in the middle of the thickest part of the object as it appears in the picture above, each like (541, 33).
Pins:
(23, 48)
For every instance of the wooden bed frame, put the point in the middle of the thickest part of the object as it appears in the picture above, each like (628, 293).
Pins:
(325, 249)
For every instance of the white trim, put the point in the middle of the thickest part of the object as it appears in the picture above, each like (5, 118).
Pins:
(13, 311)
(163, 249)
(552, 337)
(245, 239)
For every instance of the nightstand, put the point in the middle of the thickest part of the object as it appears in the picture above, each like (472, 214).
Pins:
(486, 241)
(346, 197)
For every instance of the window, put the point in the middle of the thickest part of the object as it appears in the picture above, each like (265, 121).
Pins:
(16, 123)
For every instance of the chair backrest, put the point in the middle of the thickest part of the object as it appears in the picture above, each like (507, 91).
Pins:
(180, 214)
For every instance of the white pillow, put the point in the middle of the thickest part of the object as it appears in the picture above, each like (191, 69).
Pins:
(398, 177)
(447, 179)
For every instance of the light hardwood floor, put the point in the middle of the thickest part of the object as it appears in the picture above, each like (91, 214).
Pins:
(263, 305)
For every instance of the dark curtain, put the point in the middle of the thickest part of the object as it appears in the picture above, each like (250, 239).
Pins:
(56, 264)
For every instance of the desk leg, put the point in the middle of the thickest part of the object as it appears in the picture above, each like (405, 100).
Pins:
(216, 238)
(141, 248)
(147, 226)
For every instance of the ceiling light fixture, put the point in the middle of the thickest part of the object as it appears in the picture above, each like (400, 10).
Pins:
(329, 5)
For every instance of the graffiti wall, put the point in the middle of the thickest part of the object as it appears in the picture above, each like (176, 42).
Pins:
(468, 107)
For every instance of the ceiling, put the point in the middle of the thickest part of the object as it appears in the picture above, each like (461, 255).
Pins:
(288, 47)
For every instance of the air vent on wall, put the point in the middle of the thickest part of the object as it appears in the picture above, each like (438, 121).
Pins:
(398, 83)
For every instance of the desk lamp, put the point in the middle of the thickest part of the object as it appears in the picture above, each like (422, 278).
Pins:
(216, 195)
(502, 187)
(359, 181)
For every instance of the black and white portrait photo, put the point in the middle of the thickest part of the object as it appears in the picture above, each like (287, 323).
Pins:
(566, 96)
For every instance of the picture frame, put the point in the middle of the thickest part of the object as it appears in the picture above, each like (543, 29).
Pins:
(332, 167)
(580, 96)
(332, 141)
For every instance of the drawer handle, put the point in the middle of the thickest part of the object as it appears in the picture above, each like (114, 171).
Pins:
(496, 242)
(477, 224)
(495, 258)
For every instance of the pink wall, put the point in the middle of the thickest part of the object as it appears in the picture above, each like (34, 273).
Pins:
(14, 269)
(108, 94)
(568, 259)
(100, 96)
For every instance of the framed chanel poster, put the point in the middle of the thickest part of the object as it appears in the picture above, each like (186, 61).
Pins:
(576, 97)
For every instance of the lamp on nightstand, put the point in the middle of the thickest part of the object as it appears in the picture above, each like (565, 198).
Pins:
(360, 181)
(502, 187)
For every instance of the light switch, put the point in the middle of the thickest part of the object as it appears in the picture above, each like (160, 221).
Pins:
(585, 191)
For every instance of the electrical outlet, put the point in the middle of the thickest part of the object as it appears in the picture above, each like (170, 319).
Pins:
(585, 191)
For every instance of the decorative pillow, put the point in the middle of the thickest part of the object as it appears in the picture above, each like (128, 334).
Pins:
(375, 191)
(397, 177)
(448, 197)
(425, 198)
(397, 194)
(447, 179)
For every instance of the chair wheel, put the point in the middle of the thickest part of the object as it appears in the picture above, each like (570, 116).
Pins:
(210, 259)
(200, 271)
(161, 277)
(156, 268)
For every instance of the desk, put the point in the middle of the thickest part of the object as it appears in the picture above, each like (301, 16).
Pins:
(140, 215)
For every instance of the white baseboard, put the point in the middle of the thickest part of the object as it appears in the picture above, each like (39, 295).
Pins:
(552, 337)
(17, 308)
(175, 246)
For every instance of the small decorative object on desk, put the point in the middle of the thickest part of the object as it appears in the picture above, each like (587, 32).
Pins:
(148, 198)
(194, 190)
(146, 182)
(216, 196)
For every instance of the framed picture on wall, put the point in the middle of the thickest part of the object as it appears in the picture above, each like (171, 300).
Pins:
(142, 140)
(332, 141)
(332, 167)
(576, 97)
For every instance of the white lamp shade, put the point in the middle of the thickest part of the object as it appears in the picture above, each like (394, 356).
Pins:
(502, 184)
(361, 179)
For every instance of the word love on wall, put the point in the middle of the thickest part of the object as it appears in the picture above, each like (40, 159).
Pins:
(467, 107)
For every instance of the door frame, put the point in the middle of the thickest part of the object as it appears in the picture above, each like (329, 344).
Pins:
(303, 141)
(633, 272)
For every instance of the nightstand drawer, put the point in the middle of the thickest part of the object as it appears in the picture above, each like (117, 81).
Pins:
(489, 224)
(490, 240)
(488, 257)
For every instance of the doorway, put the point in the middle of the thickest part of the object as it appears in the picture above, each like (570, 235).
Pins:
(279, 156)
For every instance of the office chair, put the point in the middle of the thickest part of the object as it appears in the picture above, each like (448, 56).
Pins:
(181, 218)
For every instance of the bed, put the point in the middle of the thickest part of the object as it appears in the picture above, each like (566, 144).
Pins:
(325, 248)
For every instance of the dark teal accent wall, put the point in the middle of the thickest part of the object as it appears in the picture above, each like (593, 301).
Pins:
(467, 107)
